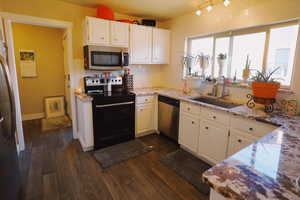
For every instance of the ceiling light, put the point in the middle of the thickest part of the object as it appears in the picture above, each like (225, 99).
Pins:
(209, 8)
(226, 2)
(198, 12)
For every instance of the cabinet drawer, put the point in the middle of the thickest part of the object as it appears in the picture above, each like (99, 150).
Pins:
(145, 99)
(189, 108)
(255, 128)
(215, 116)
(238, 141)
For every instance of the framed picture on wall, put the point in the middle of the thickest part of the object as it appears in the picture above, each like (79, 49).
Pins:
(55, 106)
(28, 64)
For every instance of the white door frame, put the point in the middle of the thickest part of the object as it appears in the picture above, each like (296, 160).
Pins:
(9, 18)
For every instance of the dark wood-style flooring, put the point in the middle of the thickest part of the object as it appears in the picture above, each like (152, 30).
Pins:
(53, 167)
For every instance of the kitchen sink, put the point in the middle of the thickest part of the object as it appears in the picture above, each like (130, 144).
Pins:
(216, 102)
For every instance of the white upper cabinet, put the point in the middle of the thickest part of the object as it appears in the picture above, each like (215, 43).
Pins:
(161, 46)
(97, 31)
(140, 44)
(119, 34)
(149, 45)
(103, 32)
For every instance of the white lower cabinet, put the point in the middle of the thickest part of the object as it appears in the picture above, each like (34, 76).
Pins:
(188, 132)
(145, 121)
(146, 115)
(212, 142)
(237, 141)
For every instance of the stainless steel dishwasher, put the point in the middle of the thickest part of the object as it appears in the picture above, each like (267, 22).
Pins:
(168, 117)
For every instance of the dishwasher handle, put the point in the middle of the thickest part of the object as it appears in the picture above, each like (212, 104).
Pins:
(168, 100)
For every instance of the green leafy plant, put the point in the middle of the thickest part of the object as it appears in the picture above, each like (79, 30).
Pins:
(264, 76)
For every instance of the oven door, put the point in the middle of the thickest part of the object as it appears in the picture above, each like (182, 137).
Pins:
(113, 123)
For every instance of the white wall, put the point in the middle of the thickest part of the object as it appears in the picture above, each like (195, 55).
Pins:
(242, 13)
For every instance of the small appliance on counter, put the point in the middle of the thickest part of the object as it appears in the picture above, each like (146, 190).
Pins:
(105, 58)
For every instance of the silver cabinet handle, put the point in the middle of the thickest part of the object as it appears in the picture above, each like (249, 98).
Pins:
(1, 119)
(114, 104)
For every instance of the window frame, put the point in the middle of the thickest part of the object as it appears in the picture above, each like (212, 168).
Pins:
(245, 31)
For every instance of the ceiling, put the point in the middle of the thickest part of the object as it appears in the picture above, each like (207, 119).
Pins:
(156, 9)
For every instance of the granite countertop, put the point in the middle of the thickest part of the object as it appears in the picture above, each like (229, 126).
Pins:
(267, 169)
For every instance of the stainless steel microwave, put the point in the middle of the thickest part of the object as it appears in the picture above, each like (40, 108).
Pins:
(105, 58)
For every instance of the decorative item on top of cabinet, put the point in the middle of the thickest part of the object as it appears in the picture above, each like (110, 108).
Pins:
(103, 32)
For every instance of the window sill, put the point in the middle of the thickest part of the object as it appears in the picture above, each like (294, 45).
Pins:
(280, 90)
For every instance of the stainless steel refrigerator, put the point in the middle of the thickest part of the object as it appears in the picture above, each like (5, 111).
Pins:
(10, 181)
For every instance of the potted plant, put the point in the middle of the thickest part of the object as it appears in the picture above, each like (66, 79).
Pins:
(264, 87)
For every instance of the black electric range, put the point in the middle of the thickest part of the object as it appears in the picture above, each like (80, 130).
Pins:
(113, 118)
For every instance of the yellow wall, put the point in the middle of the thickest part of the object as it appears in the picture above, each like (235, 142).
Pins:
(47, 44)
(55, 9)
(59, 10)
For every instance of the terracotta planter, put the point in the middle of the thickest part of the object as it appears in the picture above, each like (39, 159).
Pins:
(265, 91)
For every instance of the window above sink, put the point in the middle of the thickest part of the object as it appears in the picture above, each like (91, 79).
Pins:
(268, 47)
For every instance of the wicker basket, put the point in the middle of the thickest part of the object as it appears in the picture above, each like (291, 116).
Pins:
(128, 82)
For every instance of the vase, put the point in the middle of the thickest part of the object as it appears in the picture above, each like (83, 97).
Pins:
(221, 63)
(246, 74)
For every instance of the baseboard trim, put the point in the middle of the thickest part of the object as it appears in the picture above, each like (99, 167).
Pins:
(33, 116)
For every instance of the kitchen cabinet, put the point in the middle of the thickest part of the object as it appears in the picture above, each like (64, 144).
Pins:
(103, 32)
(160, 46)
(85, 129)
(140, 44)
(97, 31)
(212, 141)
(146, 115)
(188, 132)
(149, 45)
(119, 33)
(237, 141)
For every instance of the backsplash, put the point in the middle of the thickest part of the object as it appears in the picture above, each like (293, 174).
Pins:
(145, 76)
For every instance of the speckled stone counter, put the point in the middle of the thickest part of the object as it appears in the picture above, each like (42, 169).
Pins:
(267, 169)
(83, 97)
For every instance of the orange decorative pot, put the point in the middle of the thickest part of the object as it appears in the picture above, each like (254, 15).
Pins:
(265, 90)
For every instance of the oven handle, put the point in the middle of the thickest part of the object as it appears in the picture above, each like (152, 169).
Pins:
(114, 104)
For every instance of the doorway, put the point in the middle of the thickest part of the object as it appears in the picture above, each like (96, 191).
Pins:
(42, 79)
(66, 27)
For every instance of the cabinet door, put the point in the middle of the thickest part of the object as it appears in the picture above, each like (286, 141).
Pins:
(145, 118)
(119, 33)
(98, 31)
(161, 46)
(140, 44)
(213, 140)
(188, 132)
(238, 141)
